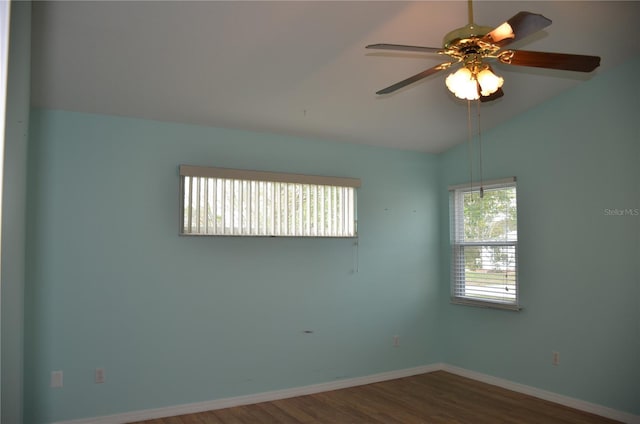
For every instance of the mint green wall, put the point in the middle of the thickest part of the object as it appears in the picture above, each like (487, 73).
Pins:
(574, 157)
(14, 199)
(176, 320)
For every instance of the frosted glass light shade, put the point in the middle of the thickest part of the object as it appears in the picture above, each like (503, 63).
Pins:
(489, 82)
(463, 84)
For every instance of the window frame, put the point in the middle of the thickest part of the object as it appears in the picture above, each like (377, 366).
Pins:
(267, 181)
(456, 194)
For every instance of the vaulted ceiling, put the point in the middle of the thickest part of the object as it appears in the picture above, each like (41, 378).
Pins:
(300, 68)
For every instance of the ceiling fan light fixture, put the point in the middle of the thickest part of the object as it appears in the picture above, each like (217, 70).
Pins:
(463, 84)
(469, 84)
(489, 82)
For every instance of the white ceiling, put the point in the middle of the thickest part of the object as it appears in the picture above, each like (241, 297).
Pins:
(300, 68)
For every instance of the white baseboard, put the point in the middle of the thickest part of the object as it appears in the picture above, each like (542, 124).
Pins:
(193, 408)
(574, 403)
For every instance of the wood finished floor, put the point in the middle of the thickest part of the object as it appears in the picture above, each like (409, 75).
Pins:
(437, 397)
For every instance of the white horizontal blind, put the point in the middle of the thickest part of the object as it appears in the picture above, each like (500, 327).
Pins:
(213, 204)
(485, 245)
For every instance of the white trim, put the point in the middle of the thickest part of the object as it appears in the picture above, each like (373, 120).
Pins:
(461, 300)
(277, 177)
(574, 403)
(193, 408)
(485, 184)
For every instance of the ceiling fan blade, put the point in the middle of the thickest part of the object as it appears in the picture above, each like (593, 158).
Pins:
(516, 28)
(402, 47)
(493, 96)
(414, 78)
(563, 61)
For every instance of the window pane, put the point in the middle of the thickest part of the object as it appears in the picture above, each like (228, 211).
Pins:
(220, 206)
(489, 273)
(492, 217)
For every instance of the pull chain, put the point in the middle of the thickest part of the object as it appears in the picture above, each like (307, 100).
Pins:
(470, 144)
(480, 151)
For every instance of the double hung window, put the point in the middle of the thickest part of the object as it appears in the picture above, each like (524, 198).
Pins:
(484, 244)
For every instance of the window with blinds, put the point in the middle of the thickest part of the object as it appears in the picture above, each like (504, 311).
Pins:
(484, 244)
(234, 202)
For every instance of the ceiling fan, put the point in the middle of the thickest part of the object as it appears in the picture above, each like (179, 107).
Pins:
(474, 45)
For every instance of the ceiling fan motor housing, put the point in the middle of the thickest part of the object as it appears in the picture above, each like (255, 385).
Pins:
(471, 31)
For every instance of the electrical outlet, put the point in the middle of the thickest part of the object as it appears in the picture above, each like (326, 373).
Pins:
(99, 375)
(396, 341)
(56, 379)
(555, 358)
